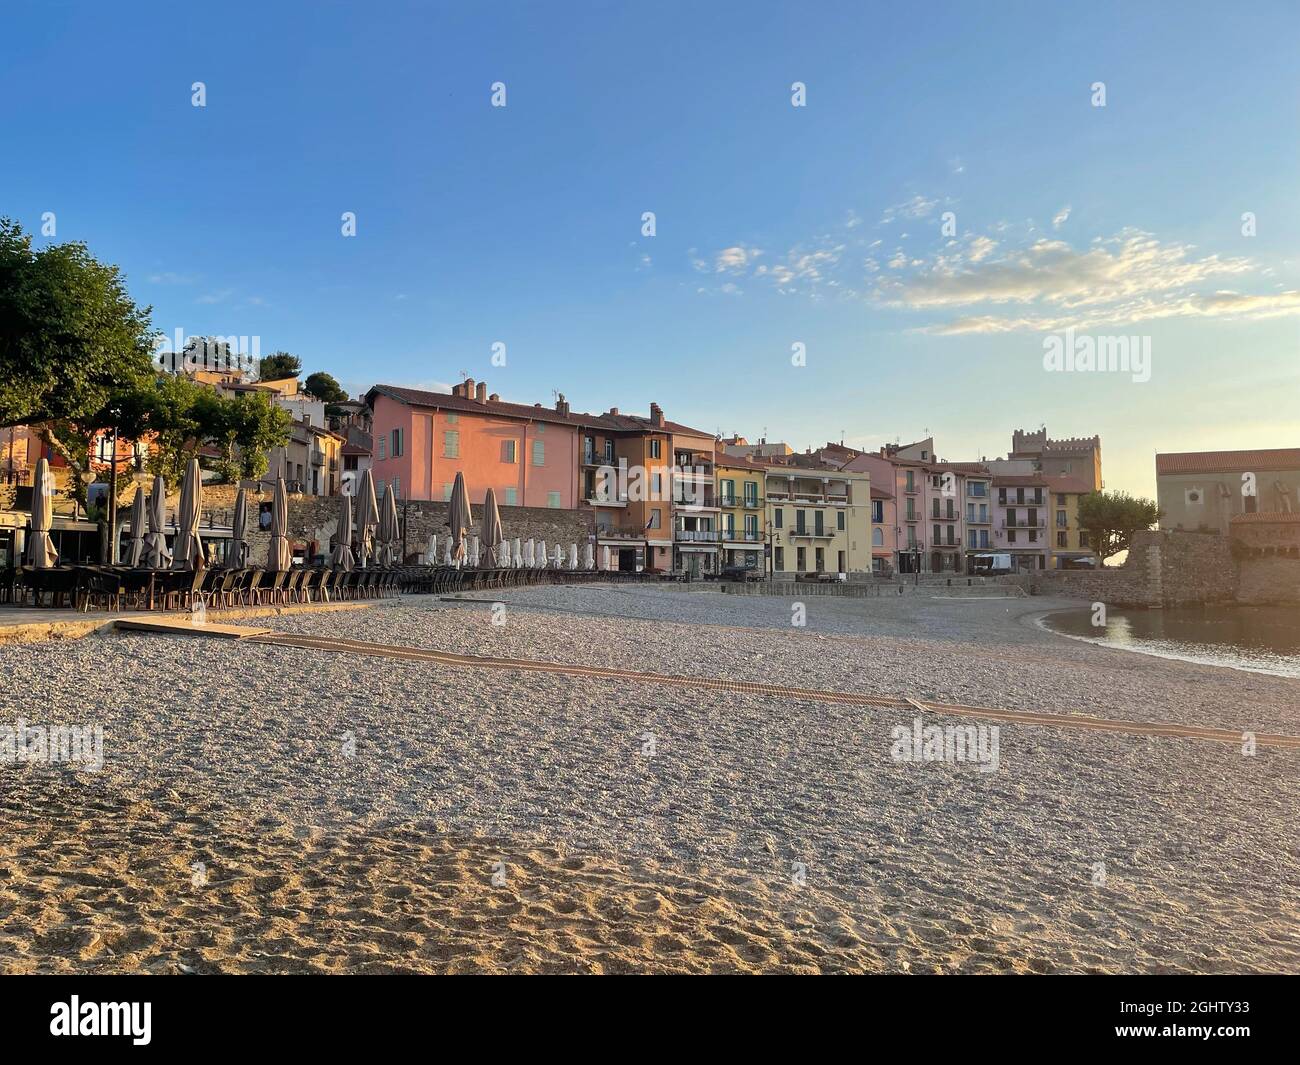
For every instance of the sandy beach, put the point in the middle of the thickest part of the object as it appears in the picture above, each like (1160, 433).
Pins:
(276, 809)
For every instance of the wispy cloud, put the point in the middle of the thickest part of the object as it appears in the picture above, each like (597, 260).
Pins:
(167, 277)
(220, 296)
(917, 207)
(1131, 277)
(1061, 217)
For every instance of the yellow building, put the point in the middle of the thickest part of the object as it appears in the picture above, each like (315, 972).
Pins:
(820, 519)
(1068, 542)
(742, 509)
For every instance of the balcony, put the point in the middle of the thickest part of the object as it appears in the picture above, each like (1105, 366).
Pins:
(752, 503)
(1024, 523)
(710, 536)
(597, 458)
(741, 536)
(597, 500)
(1005, 500)
(813, 533)
(620, 532)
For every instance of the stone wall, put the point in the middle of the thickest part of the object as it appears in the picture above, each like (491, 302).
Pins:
(1164, 568)
(1269, 580)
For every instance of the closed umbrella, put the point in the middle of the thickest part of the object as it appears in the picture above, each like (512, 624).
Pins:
(459, 518)
(589, 557)
(558, 561)
(516, 553)
(530, 554)
(472, 558)
(341, 556)
(604, 557)
(447, 559)
(137, 528)
(238, 523)
(492, 529)
(187, 551)
(278, 557)
(367, 519)
(390, 532)
(573, 556)
(40, 550)
(156, 554)
(431, 552)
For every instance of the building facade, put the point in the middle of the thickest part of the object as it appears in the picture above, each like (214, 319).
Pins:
(1069, 544)
(742, 507)
(1021, 504)
(1207, 489)
(820, 518)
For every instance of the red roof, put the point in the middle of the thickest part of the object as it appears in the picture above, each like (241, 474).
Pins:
(1020, 480)
(1271, 517)
(1068, 485)
(1281, 458)
(880, 493)
(415, 397)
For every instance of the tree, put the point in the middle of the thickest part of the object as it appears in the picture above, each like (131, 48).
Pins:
(71, 339)
(279, 364)
(324, 387)
(73, 346)
(1111, 518)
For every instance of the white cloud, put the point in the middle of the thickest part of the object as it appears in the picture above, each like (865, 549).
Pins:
(1061, 217)
(219, 296)
(917, 207)
(734, 259)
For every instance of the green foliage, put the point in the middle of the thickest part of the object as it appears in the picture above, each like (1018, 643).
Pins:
(1111, 518)
(71, 339)
(279, 364)
(324, 387)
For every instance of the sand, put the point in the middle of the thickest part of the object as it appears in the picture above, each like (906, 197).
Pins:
(759, 835)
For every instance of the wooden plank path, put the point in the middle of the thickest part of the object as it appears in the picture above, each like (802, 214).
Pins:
(460, 661)
(185, 625)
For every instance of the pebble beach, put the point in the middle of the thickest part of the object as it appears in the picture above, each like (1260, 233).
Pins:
(281, 809)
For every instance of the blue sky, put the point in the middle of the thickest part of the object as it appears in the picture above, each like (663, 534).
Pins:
(775, 225)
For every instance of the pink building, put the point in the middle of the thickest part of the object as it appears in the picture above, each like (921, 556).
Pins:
(530, 455)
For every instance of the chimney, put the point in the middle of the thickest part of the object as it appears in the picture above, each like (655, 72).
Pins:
(493, 398)
(481, 393)
(468, 387)
(656, 415)
(561, 404)
(613, 410)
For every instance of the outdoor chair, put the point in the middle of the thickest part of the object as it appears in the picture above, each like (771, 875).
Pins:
(310, 581)
(275, 592)
(252, 590)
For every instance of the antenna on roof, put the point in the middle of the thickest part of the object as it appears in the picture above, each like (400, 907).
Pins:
(464, 374)
(555, 395)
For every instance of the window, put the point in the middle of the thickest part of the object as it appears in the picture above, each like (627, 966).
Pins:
(877, 537)
(751, 493)
(609, 449)
(841, 567)
(971, 540)
(1060, 499)
(512, 497)
(978, 488)
(452, 419)
(1061, 539)
(751, 526)
(935, 508)
(654, 449)
(383, 447)
(397, 488)
(1083, 540)
(911, 481)
(839, 519)
(446, 491)
(539, 452)
(540, 427)
(818, 520)
(396, 449)
(1060, 519)
(878, 511)
(820, 555)
(780, 559)
(1011, 536)
(656, 518)
(779, 518)
(451, 444)
(800, 526)
(379, 489)
(553, 500)
(728, 493)
(1033, 536)
(801, 558)
(507, 451)
(656, 485)
(936, 538)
